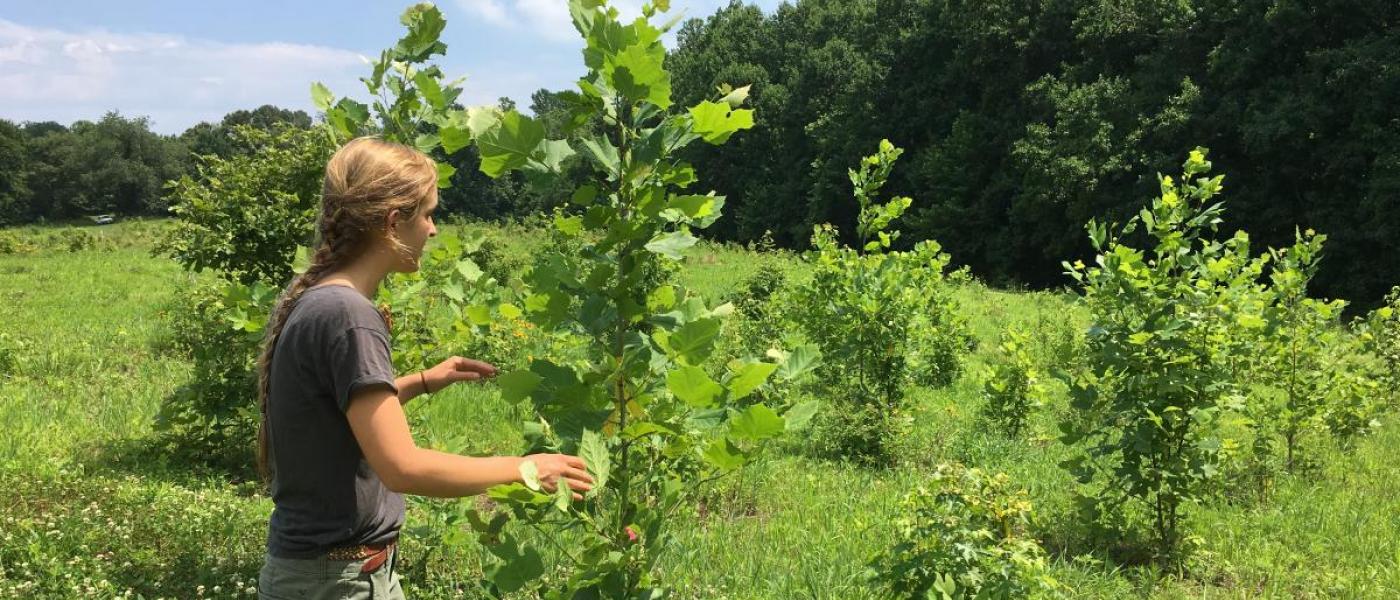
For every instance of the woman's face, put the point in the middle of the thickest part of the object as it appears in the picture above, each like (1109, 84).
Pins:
(415, 231)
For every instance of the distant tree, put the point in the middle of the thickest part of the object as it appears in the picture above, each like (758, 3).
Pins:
(14, 171)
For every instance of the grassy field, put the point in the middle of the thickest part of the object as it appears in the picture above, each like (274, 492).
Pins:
(89, 509)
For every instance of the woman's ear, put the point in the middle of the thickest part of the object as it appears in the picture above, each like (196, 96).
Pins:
(391, 220)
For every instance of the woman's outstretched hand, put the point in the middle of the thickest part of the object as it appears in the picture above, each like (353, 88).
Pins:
(456, 369)
(553, 467)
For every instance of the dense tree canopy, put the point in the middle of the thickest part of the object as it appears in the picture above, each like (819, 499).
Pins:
(1026, 118)
(1021, 119)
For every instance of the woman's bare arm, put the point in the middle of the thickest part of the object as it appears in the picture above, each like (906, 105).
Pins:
(377, 419)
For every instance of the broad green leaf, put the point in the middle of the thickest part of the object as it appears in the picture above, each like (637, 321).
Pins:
(454, 138)
(724, 455)
(757, 422)
(550, 156)
(425, 24)
(797, 417)
(584, 195)
(430, 89)
(693, 342)
(321, 96)
(736, 98)
(479, 314)
(694, 387)
(530, 475)
(481, 119)
(603, 153)
(645, 428)
(510, 311)
(569, 226)
(672, 245)
(715, 122)
(469, 270)
(661, 298)
(518, 385)
(800, 361)
(517, 570)
(301, 261)
(594, 452)
(444, 175)
(748, 378)
(637, 72)
(509, 144)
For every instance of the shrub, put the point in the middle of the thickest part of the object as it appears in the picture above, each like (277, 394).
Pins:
(243, 216)
(1011, 388)
(1155, 379)
(882, 319)
(965, 538)
(213, 419)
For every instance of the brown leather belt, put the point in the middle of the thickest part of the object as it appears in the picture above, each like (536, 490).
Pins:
(377, 554)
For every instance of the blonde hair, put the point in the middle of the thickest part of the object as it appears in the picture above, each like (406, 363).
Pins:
(366, 179)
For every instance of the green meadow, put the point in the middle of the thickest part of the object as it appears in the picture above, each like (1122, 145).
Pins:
(93, 506)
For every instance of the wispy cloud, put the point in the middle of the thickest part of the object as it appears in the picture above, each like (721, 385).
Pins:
(549, 19)
(49, 74)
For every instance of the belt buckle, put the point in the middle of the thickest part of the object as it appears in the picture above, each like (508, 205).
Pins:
(377, 559)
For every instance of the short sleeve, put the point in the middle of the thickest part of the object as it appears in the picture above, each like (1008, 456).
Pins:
(359, 357)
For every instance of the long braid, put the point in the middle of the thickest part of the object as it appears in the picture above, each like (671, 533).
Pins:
(333, 251)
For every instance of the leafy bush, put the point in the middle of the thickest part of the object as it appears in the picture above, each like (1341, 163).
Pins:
(1302, 353)
(1379, 333)
(760, 311)
(244, 215)
(13, 243)
(11, 349)
(882, 319)
(1155, 378)
(966, 538)
(1011, 388)
(212, 419)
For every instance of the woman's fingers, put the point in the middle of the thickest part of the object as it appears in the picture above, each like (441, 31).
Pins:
(460, 376)
(469, 365)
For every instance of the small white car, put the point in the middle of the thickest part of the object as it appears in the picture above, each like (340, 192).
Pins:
(104, 219)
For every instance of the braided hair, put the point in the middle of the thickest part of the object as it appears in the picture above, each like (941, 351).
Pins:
(366, 179)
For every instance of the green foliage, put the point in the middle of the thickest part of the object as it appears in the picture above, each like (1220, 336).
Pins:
(244, 216)
(11, 350)
(1155, 379)
(635, 395)
(881, 318)
(1300, 348)
(1023, 120)
(210, 420)
(760, 308)
(1011, 387)
(1379, 334)
(966, 538)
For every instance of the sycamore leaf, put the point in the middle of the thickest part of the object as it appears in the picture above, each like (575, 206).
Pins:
(694, 387)
(715, 122)
(509, 144)
(757, 422)
(672, 245)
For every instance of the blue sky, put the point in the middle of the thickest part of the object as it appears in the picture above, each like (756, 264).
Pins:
(180, 63)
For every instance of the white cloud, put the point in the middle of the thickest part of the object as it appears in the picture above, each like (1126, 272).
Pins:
(550, 20)
(49, 74)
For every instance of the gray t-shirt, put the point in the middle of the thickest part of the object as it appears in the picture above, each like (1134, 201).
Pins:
(334, 343)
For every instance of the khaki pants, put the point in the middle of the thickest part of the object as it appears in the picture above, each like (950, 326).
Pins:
(324, 579)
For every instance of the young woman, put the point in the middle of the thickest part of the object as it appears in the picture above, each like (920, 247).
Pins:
(333, 440)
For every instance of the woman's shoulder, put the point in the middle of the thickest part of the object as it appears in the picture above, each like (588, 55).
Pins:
(338, 306)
